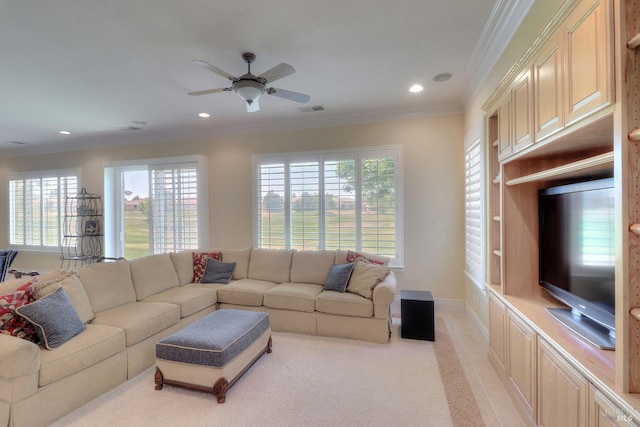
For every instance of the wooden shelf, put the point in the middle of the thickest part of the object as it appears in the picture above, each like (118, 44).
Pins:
(497, 253)
(635, 312)
(495, 143)
(496, 219)
(600, 163)
(496, 180)
(634, 42)
(635, 135)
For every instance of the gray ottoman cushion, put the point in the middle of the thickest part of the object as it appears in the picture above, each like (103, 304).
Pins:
(214, 340)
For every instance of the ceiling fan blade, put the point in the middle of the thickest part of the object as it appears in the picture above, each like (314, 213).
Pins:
(277, 72)
(253, 107)
(208, 91)
(219, 71)
(287, 94)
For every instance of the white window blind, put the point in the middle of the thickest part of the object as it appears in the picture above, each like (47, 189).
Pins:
(36, 207)
(174, 208)
(330, 200)
(473, 213)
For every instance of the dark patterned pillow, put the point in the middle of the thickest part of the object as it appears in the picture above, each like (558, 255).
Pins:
(200, 263)
(10, 322)
(54, 318)
(338, 277)
(218, 271)
(354, 256)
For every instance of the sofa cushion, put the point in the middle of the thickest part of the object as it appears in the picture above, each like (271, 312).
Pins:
(244, 292)
(54, 318)
(152, 274)
(96, 343)
(190, 299)
(293, 296)
(271, 265)
(139, 320)
(75, 292)
(338, 278)
(107, 284)
(365, 277)
(200, 263)
(241, 257)
(183, 264)
(344, 304)
(311, 266)
(218, 271)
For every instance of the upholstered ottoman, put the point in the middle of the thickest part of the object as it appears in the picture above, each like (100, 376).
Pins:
(213, 352)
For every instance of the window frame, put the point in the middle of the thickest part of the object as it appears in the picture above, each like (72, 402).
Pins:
(322, 156)
(32, 175)
(114, 204)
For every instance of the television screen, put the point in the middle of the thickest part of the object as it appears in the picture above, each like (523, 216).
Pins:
(577, 247)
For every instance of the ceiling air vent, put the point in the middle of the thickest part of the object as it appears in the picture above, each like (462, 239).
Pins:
(15, 142)
(311, 109)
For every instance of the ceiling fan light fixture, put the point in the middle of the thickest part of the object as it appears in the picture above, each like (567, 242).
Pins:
(249, 90)
(416, 88)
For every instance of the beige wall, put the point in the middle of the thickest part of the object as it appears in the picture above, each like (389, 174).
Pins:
(539, 14)
(433, 188)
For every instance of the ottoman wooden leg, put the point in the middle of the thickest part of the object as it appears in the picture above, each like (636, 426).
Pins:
(269, 345)
(159, 379)
(220, 389)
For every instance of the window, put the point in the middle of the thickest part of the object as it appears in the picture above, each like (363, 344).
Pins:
(330, 200)
(36, 208)
(157, 206)
(473, 213)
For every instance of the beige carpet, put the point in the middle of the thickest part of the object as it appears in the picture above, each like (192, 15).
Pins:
(310, 381)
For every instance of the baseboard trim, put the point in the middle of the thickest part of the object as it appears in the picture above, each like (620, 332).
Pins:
(484, 333)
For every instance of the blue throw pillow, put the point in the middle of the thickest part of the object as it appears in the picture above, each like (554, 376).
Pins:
(218, 271)
(54, 318)
(338, 277)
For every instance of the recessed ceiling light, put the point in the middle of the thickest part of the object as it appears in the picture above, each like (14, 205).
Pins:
(416, 88)
(65, 132)
(442, 77)
(204, 115)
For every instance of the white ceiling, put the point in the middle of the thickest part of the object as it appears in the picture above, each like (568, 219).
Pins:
(97, 68)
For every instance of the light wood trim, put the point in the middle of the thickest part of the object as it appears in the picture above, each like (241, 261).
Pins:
(581, 166)
(634, 42)
(635, 229)
(634, 135)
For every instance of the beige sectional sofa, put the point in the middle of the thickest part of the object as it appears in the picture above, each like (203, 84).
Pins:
(138, 302)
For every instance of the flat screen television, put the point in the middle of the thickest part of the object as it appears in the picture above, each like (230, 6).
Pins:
(577, 256)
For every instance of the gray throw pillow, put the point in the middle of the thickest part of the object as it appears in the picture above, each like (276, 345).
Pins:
(338, 277)
(218, 271)
(54, 318)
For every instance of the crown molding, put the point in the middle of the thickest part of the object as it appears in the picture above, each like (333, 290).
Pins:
(506, 17)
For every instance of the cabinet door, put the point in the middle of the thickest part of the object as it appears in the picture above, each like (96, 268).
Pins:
(522, 111)
(588, 63)
(505, 146)
(548, 89)
(497, 331)
(604, 413)
(521, 362)
(562, 391)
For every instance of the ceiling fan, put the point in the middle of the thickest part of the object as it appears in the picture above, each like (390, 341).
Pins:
(250, 87)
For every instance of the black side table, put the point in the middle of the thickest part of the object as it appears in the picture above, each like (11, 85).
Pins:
(416, 314)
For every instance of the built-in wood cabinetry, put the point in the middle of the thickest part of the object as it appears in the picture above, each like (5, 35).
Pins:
(567, 110)
(521, 357)
(562, 392)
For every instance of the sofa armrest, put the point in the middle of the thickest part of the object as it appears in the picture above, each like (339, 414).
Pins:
(383, 296)
(18, 357)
